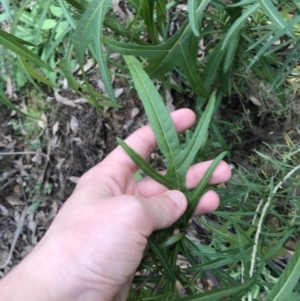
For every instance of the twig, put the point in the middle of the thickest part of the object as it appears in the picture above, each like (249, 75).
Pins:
(22, 153)
(260, 222)
(16, 236)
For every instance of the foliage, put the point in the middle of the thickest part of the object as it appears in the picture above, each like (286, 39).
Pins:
(241, 41)
(245, 44)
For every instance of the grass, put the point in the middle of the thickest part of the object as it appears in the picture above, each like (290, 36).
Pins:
(250, 51)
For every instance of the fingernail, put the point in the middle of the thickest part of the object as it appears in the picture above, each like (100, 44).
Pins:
(177, 197)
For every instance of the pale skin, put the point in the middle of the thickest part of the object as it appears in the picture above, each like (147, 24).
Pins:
(97, 240)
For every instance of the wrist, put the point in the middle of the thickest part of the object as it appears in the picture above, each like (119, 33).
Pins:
(46, 274)
(25, 282)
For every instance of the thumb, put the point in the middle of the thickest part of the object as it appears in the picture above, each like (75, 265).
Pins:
(165, 209)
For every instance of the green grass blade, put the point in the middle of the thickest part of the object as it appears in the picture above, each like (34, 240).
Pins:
(45, 5)
(192, 5)
(146, 9)
(271, 76)
(220, 293)
(190, 71)
(242, 3)
(67, 14)
(196, 14)
(162, 17)
(297, 3)
(238, 24)
(276, 37)
(10, 42)
(212, 66)
(287, 280)
(291, 61)
(5, 5)
(196, 193)
(187, 156)
(158, 115)
(171, 240)
(78, 87)
(4, 100)
(162, 259)
(231, 51)
(36, 75)
(274, 15)
(89, 30)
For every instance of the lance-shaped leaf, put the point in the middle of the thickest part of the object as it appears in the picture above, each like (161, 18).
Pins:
(15, 44)
(178, 51)
(186, 157)
(4, 100)
(198, 191)
(33, 73)
(162, 258)
(158, 115)
(89, 30)
(195, 18)
(146, 167)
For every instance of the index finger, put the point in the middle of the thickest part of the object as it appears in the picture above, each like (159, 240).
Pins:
(143, 140)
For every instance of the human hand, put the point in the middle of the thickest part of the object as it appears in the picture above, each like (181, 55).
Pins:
(96, 242)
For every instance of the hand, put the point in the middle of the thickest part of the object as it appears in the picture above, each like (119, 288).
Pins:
(97, 240)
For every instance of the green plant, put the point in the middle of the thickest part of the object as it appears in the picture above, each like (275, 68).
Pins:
(246, 44)
(164, 245)
(244, 41)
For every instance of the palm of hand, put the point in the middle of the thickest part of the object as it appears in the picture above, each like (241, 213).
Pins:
(101, 232)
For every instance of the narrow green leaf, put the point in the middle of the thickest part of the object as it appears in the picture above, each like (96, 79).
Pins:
(212, 66)
(162, 17)
(163, 58)
(78, 87)
(275, 38)
(289, 64)
(232, 255)
(186, 157)
(162, 259)
(271, 75)
(275, 16)
(89, 30)
(147, 12)
(12, 43)
(196, 193)
(192, 4)
(76, 4)
(9, 104)
(144, 166)
(220, 293)
(287, 280)
(297, 3)
(36, 75)
(5, 5)
(196, 14)
(158, 115)
(171, 240)
(242, 3)
(42, 16)
(238, 24)
(67, 14)
(231, 51)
